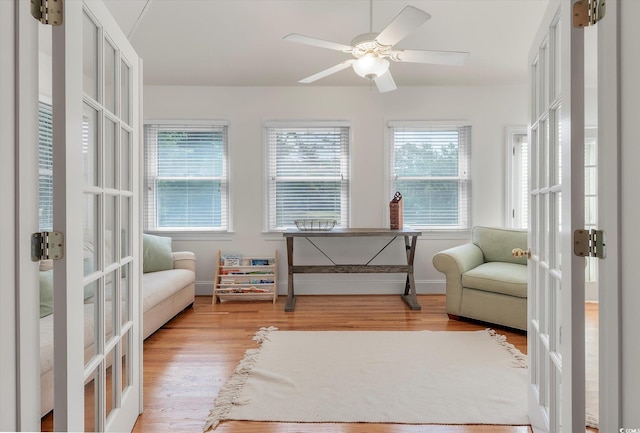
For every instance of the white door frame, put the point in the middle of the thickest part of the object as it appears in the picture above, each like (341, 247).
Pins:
(70, 191)
(8, 328)
(556, 276)
(610, 410)
(20, 303)
(27, 221)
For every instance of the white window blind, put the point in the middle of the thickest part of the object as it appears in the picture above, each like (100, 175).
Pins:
(523, 175)
(186, 177)
(430, 165)
(45, 163)
(308, 172)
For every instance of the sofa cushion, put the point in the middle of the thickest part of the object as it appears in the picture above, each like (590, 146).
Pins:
(156, 253)
(158, 286)
(506, 278)
(496, 244)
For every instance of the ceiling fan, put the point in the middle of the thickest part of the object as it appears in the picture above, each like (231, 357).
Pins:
(371, 51)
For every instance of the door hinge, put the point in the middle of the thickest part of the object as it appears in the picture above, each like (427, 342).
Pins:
(589, 243)
(588, 12)
(47, 11)
(47, 245)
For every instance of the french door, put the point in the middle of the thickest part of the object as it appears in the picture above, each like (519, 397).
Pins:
(556, 203)
(97, 359)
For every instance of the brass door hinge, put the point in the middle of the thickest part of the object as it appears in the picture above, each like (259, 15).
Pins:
(588, 12)
(589, 243)
(47, 245)
(47, 11)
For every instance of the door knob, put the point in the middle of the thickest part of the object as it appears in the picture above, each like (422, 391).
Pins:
(519, 252)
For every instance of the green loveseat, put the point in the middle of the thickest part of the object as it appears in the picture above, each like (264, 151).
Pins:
(484, 281)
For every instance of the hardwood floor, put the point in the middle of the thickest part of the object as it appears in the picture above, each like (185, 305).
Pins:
(189, 360)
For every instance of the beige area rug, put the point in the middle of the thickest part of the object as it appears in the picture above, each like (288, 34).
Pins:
(408, 377)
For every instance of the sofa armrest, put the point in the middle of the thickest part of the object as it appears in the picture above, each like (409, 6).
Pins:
(458, 260)
(184, 260)
(453, 263)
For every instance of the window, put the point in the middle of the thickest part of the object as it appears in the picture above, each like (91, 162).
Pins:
(517, 178)
(186, 177)
(429, 165)
(308, 172)
(45, 167)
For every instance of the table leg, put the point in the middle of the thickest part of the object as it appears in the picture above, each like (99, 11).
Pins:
(290, 304)
(409, 295)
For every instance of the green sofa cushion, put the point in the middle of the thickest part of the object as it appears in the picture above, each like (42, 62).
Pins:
(505, 278)
(496, 244)
(156, 253)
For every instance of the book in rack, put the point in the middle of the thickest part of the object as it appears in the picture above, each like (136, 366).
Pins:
(245, 278)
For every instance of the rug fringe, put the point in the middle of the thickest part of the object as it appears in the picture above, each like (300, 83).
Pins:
(228, 395)
(592, 420)
(520, 360)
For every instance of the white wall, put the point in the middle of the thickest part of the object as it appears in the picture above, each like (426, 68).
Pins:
(489, 109)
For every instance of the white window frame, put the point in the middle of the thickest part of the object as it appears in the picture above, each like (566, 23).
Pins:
(269, 170)
(432, 232)
(194, 233)
(513, 193)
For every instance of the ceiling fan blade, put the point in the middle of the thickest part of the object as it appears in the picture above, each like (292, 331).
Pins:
(327, 72)
(407, 21)
(308, 40)
(455, 58)
(385, 83)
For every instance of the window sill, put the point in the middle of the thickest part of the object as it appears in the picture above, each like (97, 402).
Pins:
(195, 235)
(445, 235)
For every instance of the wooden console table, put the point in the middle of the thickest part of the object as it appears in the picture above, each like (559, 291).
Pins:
(410, 239)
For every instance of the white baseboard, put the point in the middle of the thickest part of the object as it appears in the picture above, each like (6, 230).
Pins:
(317, 286)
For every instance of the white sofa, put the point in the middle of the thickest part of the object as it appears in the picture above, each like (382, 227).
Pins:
(164, 295)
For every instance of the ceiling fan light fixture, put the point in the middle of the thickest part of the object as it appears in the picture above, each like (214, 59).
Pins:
(371, 66)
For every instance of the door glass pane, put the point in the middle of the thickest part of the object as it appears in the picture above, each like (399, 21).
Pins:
(124, 93)
(544, 76)
(91, 393)
(559, 236)
(90, 145)
(543, 156)
(109, 76)
(90, 320)
(533, 167)
(89, 57)
(109, 153)
(557, 146)
(111, 383)
(557, 84)
(110, 230)
(125, 293)
(126, 365)
(109, 311)
(90, 234)
(125, 221)
(534, 91)
(125, 158)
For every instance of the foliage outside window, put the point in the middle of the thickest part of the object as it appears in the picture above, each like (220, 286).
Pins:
(429, 165)
(307, 172)
(186, 177)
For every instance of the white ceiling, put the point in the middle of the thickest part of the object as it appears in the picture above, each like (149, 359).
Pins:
(239, 42)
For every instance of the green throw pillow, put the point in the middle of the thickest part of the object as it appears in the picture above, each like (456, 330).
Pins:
(156, 253)
(46, 293)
